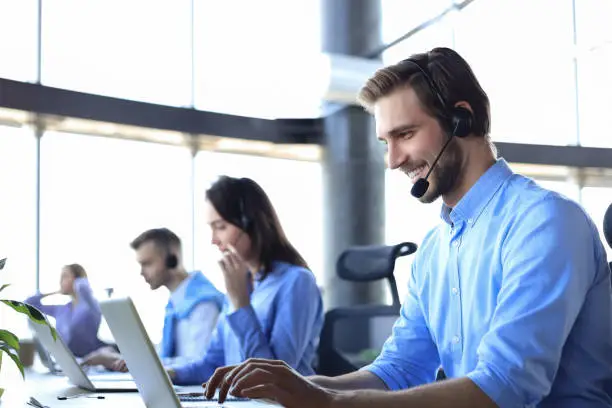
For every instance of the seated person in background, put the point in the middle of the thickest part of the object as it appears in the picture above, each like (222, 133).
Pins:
(194, 305)
(510, 294)
(77, 321)
(275, 308)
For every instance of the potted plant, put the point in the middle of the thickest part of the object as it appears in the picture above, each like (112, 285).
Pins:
(9, 343)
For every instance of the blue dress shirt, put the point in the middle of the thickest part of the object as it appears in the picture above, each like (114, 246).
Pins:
(283, 322)
(513, 291)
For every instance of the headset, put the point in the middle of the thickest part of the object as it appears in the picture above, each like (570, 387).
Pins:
(171, 261)
(245, 221)
(457, 119)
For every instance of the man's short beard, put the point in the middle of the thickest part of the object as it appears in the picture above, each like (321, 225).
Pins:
(446, 174)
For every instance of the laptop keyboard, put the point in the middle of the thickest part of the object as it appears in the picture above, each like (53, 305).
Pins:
(201, 398)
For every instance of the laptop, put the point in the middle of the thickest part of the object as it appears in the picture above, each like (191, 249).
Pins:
(145, 366)
(73, 370)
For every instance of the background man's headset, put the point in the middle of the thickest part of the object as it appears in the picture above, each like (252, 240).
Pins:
(456, 118)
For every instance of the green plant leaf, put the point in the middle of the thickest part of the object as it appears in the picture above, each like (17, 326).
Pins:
(2, 263)
(34, 314)
(9, 338)
(11, 353)
(6, 285)
(26, 309)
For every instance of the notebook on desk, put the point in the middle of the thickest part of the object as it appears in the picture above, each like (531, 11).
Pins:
(144, 364)
(72, 369)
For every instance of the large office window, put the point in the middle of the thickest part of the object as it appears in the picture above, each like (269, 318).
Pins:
(295, 189)
(439, 34)
(18, 34)
(401, 16)
(594, 52)
(135, 49)
(97, 195)
(252, 58)
(17, 219)
(527, 71)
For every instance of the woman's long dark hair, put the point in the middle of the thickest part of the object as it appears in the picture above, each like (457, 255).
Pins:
(243, 203)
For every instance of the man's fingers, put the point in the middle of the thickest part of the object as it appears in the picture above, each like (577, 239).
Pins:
(215, 380)
(257, 376)
(225, 377)
(271, 392)
(227, 381)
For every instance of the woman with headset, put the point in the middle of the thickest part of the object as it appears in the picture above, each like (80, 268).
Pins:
(274, 307)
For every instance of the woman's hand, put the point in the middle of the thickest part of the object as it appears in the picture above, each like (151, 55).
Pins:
(237, 278)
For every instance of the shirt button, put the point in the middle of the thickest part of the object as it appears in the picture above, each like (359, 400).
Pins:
(470, 221)
(455, 291)
(456, 339)
(456, 243)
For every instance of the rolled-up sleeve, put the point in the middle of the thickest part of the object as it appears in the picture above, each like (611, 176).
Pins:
(549, 263)
(409, 357)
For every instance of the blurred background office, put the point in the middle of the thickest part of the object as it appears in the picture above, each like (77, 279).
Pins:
(115, 115)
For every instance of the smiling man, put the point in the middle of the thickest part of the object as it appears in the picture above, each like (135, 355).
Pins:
(510, 294)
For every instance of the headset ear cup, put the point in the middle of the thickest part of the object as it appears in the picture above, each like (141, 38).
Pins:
(461, 121)
(171, 261)
(246, 225)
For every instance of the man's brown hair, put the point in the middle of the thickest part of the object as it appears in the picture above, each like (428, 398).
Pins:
(162, 238)
(452, 78)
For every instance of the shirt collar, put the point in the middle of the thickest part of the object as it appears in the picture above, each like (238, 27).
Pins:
(476, 199)
(179, 293)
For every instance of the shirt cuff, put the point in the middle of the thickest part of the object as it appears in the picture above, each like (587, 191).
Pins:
(501, 394)
(243, 321)
(392, 379)
(182, 374)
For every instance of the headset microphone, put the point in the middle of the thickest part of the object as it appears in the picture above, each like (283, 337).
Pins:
(421, 185)
(457, 118)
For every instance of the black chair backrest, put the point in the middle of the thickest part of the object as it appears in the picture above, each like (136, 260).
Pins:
(607, 229)
(372, 263)
(607, 226)
(347, 330)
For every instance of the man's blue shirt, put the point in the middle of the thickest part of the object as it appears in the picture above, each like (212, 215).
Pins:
(513, 291)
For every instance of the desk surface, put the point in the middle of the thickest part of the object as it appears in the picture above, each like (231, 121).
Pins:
(47, 387)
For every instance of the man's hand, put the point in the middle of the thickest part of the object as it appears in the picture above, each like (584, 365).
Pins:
(270, 380)
(105, 356)
(119, 365)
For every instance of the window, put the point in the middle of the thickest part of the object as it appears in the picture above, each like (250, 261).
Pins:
(18, 38)
(251, 62)
(401, 16)
(593, 27)
(17, 220)
(527, 70)
(97, 194)
(595, 96)
(134, 49)
(295, 189)
(439, 34)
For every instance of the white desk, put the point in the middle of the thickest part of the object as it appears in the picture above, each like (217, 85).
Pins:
(47, 387)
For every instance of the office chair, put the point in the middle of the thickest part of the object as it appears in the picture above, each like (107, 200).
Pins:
(607, 228)
(348, 334)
